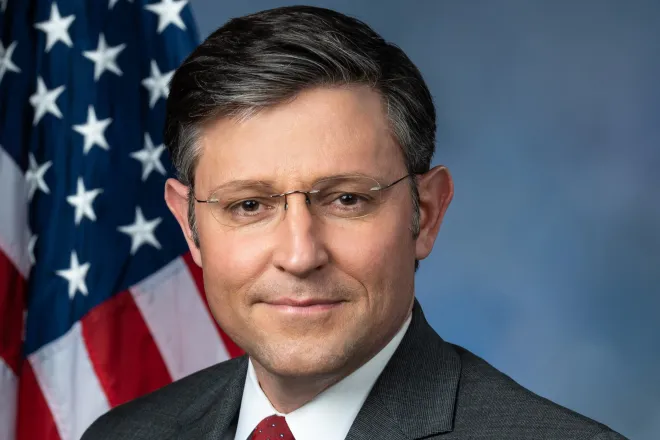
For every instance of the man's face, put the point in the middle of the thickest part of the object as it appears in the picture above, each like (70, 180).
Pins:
(361, 269)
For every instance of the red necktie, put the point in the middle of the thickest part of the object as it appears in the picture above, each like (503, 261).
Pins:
(272, 428)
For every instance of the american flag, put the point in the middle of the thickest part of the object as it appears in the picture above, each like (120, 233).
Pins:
(99, 300)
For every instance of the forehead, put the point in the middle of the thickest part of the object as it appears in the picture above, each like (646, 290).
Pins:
(323, 131)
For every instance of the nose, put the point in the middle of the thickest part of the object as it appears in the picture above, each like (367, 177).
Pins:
(287, 194)
(300, 248)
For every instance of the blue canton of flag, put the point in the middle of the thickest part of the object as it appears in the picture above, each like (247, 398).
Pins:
(89, 251)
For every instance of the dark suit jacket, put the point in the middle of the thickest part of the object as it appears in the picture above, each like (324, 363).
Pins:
(429, 389)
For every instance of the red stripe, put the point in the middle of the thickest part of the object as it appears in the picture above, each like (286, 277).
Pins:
(35, 420)
(12, 304)
(122, 350)
(196, 272)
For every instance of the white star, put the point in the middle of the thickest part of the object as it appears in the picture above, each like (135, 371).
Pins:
(114, 2)
(82, 200)
(6, 64)
(43, 101)
(104, 58)
(34, 176)
(3, 5)
(56, 28)
(93, 130)
(141, 231)
(168, 12)
(157, 84)
(32, 241)
(149, 156)
(75, 275)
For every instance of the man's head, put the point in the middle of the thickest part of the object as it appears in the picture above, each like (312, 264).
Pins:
(282, 99)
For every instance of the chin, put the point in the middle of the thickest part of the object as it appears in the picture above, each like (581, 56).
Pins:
(302, 361)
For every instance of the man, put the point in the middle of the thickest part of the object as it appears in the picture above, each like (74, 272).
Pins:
(303, 143)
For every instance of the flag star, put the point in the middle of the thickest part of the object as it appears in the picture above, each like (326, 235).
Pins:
(32, 241)
(75, 275)
(93, 130)
(34, 176)
(114, 2)
(168, 13)
(56, 28)
(141, 231)
(82, 200)
(157, 84)
(6, 64)
(105, 58)
(43, 101)
(149, 156)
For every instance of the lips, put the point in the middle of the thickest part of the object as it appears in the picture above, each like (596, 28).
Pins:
(302, 302)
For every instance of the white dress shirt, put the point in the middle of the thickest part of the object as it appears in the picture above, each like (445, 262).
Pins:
(330, 414)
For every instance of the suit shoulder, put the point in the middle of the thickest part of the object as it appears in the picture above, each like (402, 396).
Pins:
(154, 415)
(489, 398)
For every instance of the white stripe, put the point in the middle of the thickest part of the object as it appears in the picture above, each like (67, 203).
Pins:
(178, 320)
(69, 384)
(13, 213)
(8, 401)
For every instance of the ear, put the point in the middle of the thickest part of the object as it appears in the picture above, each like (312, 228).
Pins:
(176, 197)
(436, 189)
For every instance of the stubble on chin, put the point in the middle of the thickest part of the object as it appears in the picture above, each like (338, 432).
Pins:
(319, 357)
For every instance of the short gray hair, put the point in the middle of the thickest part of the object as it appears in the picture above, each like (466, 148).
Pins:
(267, 58)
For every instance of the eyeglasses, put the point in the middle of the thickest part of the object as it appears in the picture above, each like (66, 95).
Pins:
(343, 197)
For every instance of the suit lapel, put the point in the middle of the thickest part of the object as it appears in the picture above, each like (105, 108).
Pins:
(214, 412)
(415, 396)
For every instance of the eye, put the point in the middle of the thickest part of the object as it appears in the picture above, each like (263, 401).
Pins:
(249, 205)
(348, 199)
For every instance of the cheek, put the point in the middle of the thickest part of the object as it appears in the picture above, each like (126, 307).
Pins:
(230, 267)
(375, 253)
(230, 263)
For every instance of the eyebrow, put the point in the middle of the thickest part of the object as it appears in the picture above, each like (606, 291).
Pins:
(270, 185)
(243, 183)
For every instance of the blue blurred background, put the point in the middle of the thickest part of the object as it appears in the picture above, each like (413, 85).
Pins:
(548, 264)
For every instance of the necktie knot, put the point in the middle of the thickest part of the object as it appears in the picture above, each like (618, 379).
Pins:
(272, 428)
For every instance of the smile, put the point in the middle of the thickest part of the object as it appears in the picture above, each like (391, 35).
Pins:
(302, 306)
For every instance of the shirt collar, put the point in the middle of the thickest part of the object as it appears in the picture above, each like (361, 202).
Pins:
(329, 415)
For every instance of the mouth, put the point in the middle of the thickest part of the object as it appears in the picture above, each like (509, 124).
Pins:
(302, 306)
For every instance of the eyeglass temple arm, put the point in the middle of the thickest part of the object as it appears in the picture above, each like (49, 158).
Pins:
(205, 201)
(395, 182)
